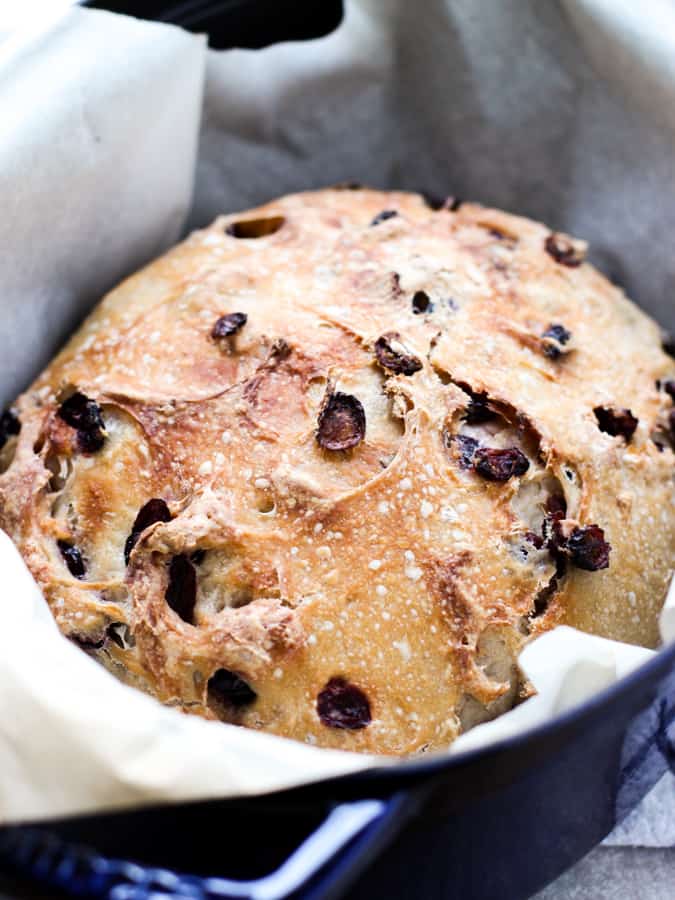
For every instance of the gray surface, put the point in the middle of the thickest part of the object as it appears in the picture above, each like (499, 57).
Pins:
(611, 873)
(652, 823)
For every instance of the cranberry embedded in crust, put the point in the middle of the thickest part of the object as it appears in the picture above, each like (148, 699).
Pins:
(500, 465)
(228, 325)
(84, 415)
(616, 422)
(383, 216)
(154, 510)
(342, 422)
(584, 545)
(536, 540)
(248, 229)
(440, 202)
(554, 340)
(9, 425)
(588, 549)
(392, 355)
(434, 201)
(465, 448)
(72, 558)
(564, 250)
(343, 705)
(181, 594)
(421, 303)
(478, 412)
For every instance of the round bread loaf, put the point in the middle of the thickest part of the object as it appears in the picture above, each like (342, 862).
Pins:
(327, 465)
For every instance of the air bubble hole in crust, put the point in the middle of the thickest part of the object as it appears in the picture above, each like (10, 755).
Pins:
(228, 692)
(255, 228)
(266, 505)
(225, 583)
(61, 469)
(491, 428)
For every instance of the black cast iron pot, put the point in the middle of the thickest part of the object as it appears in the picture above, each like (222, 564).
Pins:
(498, 822)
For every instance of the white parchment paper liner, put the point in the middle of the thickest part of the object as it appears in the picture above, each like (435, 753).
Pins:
(101, 117)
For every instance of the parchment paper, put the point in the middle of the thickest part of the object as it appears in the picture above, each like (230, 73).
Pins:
(562, 111)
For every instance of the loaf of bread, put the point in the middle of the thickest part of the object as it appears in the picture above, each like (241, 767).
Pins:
(327, 465)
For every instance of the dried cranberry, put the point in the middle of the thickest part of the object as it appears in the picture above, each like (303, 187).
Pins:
(181, 594)
(383, 216)
(553, 535)
(395, 283)
(500, 465)
(669, 388)
(616, 422)
(254, 228)
(587, 548)
(434, 201)
(556, 506)
(558, 333)
(478, 412)
(421, 303)
(555, 338)
(546, 594)
(9, 425)
(154, 510)
(564, 250)
(197, 556)
(466, 449)
(391, 355)
(497, 233)
(84, 415)
(342, 422)
(668, 343)
(72, 558)
(556, 510)
(343, 705)
(535, 539)
(228, 325)
(279, 351)
(229, 689)
(438, 202)
(671, 424)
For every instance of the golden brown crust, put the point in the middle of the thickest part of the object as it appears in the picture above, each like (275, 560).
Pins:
(405, 565)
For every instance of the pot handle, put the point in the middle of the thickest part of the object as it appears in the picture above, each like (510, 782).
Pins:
(336, 851)
(236, 23)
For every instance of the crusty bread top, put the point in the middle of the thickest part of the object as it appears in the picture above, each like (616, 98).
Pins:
(373, 458)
